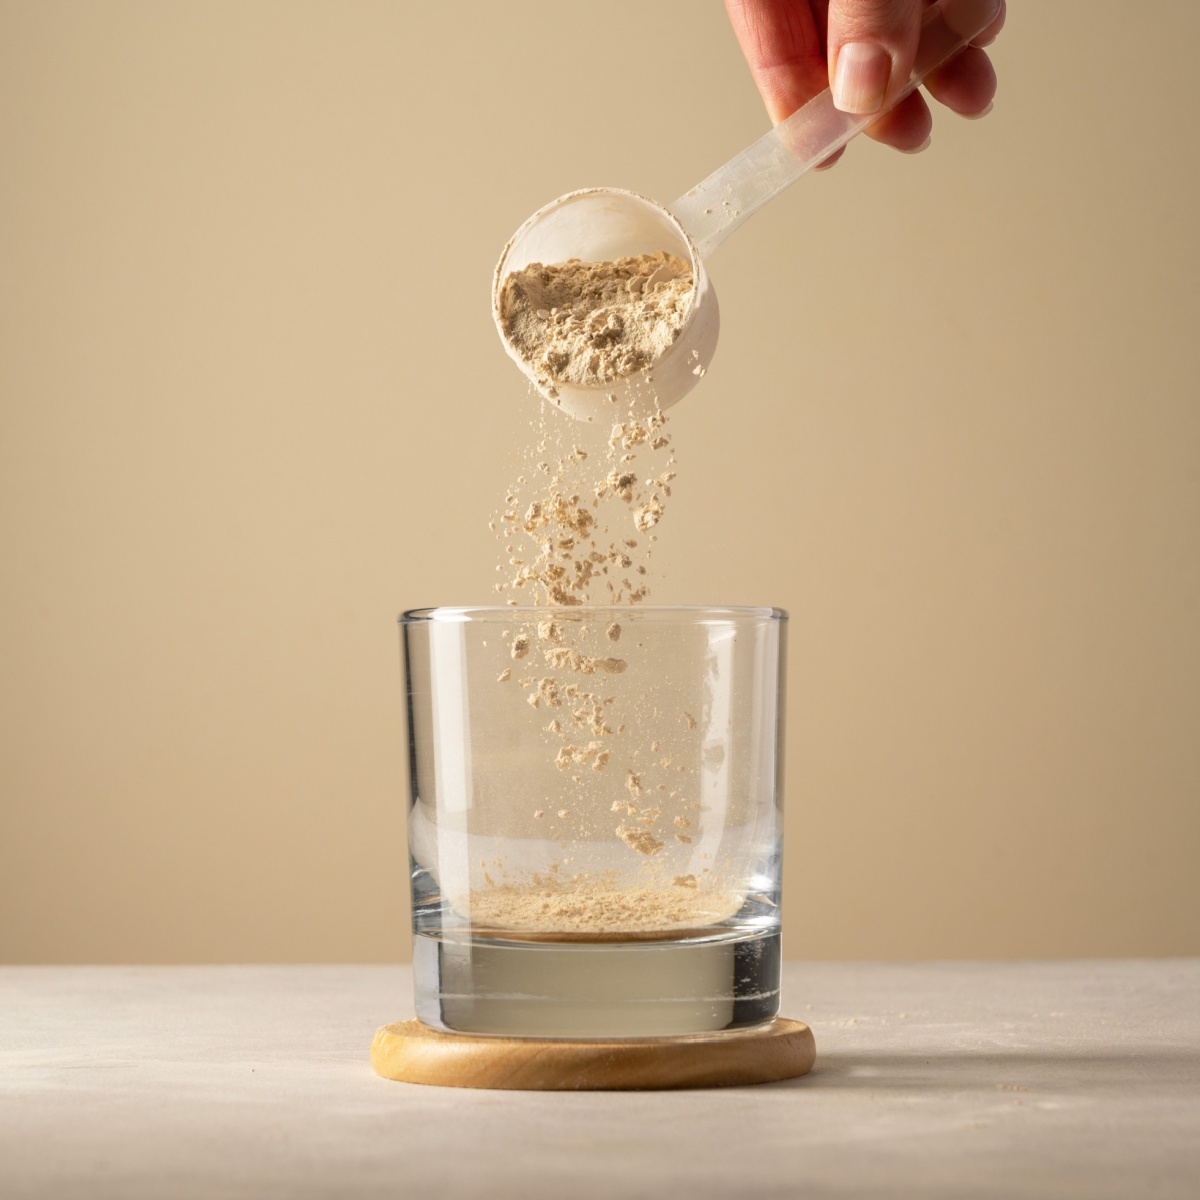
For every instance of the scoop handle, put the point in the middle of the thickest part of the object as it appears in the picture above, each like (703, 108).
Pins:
(715, 207)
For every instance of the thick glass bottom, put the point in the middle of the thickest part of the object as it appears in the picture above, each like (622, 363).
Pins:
(584, 989)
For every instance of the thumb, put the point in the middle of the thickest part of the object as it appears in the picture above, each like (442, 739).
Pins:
(872, 44)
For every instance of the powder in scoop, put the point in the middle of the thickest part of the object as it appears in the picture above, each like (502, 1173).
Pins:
(588, 323)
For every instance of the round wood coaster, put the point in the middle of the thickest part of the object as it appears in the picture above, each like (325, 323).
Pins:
(414, 1053)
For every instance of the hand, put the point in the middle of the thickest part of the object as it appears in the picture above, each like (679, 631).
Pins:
(863, 50)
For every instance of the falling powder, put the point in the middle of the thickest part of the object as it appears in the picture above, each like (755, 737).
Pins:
(577, 529)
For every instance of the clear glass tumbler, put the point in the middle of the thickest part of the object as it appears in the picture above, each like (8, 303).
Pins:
(596, 818)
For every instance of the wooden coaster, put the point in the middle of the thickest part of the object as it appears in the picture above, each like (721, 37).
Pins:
(414, 1053)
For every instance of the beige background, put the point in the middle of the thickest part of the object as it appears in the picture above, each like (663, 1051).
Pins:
(952, 426)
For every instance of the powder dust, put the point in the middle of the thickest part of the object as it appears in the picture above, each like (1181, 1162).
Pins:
(599, 906)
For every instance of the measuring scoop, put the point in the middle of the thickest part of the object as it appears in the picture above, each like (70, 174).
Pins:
(600, 224)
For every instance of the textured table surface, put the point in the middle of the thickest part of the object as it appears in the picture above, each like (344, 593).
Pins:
(955, 1080)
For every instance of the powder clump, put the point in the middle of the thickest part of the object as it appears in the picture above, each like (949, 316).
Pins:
(641, 840)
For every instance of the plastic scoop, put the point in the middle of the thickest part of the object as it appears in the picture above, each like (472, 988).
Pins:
(600, 224)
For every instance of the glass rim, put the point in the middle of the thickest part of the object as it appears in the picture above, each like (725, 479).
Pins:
(696, 613)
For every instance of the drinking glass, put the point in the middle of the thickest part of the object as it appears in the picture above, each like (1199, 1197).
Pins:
(596, 818)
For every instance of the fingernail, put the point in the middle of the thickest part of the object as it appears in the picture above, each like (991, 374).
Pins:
(923, 146)
(981, 114)
(861, 79)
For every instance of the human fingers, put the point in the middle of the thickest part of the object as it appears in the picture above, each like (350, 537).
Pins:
(966, 84)
(907, 127)
(783, 49)
(992, 32)
(872, 44)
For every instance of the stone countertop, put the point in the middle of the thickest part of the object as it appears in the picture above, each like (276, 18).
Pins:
(1058, 1079)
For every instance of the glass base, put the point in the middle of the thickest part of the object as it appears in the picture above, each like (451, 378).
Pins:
(596, 989)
